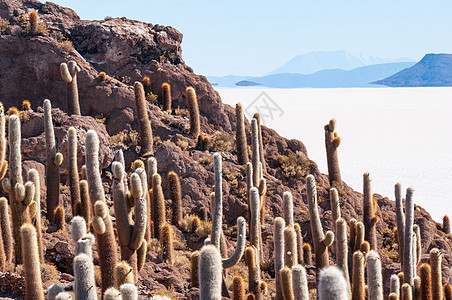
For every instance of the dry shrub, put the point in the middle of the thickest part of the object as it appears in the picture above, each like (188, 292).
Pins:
(295, 166)
(126, 139)
(223, 142)
(66, 47)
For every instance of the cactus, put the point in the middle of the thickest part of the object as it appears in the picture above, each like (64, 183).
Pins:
(255, 238)
(167, 244)
(85, 203)
(374, 277)
(144, 125)
(300, 283)
(210, 273)
(364, 247)
(33, 22)
(195, 125)
(84, 283)
(112, 294)
(240, 139)
(393, 296)
(278, 238)
(252, 262)
(332, 284)
(5, 229)
(352, 226)
(360, 233)
(69, 74)
(290, 247)
(286, 283)
(64, 296)
(400, 221)
(128, 291)
(307, 254)
(426, 281)
(3, 143)
(408, 268)
(146, 195)
(321, 241)
(418, 244)
(417, 288)
(176, 197)
(369, 217)
(448, 291)
(300, 254)
(394, 285)
(53, 291)
(194, 260)
(255, 158)
(124, 274)
(288, 208)
(60, 217)
(217, 211)
(158, 201)
(238, 288)
(335, 206)
(240, 247)
(342, 247)
(31, 264)
(33, 176)
(435, 262)
(263, 168)
(407, 292)
(101, 221)
(151, 168)
(332, 142)
(358, 276)
(74, 181)
(166, 96)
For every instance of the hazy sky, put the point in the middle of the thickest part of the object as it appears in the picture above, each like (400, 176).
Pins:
(255, 37)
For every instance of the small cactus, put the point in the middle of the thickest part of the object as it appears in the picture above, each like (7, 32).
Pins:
(210, 273)
(359, 233)
(446, 224)
(69, 74)
(128, 291)
(167, 244)
(332, 284)
(252, 262)
(166, 96)
(448, 291)
(238, 288)
(332, 142)
(240, 139)
(60, 216)
(300, 254)
(425, 273)
(176, 197)
(307, 254)
(394, 285)
(194, 260)
(144, 125)
(195, 125)
(33, 22)
(31, 264)
(123, 274)
(407, 292)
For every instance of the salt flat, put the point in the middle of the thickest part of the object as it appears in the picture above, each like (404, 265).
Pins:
(397, 134)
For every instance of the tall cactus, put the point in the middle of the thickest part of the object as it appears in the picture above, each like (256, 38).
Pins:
(31, 265)
(342, 247)
(158, 200)
(321, 241)
(300, 254)
(167, 244)
(374, 277)
(176, 197)
(332, 142)
(5, 229)
(426, 281)
(53, 162)
(238, 288)
(74, 180)
(240, 247)
(84, 283)
(290, 247)
(400, 221)
(358, 276)
(194, 261)
(217, 214)
(335, 206)
(86, 207)
(3, 143)
(69, 74)
(144, 125)
(166, 96)
(418, 246)
(252, 262)
(300, 283)
(288, 208)
(255, 158)
(210, 270)
(369, 218)
(408, 268)
(102, 220)
(332, 285)
(435, 262)
(33, 176)
(257, 116)
(286, 283)
(255, 238)
(240, 139)
(278, 238)
(195, 124)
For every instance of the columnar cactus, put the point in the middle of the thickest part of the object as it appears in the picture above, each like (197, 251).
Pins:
(446, 224)
(288, 208)
(194, 260)
(358, 276)
(332, 285)
(332, 142)
(400, 221)
(426, 281)
(151, 169)
(128, 291)
(166, 96)
(240, 247)
(238, 288)
(255, 239)
(374, 277)
(394, 285)
(69, 74)
(176, 197)
(112, 294)
(393, 296)
(53, 162)
(74, 181)
(448, 291)
(286, 283)
(407, 292)
(352, 226)
(263, 168)
(20, 196)
(321, 241)
(252, 262)
(307, 254)
(255, 158)
(158, 200)
(144, 125)
(217, 212)
(84, 283)
(360, 234)
(102, 223)
(418, 246)
(124, 274)
(278, 238)
(417, 288)
(290, 247)
(300, 254)
(146, 195)
(53, 291)
(210, 273)
(240, 139)
(31, 264)
(193, 109)
(335, 206)
(408, 268)
(369, 218)
(435, 262)
(300, 283)
(33, 176)
(3, 143)
(342, 247)
(5, 229)
(85, 202)
(167, 244)
(33, 22)
(60, 217)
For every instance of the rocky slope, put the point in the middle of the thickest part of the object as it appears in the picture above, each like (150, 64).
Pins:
(128, 50)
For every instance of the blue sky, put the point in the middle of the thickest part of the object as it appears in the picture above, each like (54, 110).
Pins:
(256, 37)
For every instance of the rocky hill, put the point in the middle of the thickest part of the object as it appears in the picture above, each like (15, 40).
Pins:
(432, 70)
(127, 51)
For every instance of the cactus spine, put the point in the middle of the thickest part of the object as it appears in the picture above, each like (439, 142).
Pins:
(408, 268)
(53, 162)
(426, 281)
(31, 265)
(369, 218)
(400, 221)
(332, 142)
(290, 247)
(210, 273)
(335, 206)
(342, 247)
(5, 228)
(74, 181)
(374, 277)
(84, 283)
(166, 96)
(263, 167)
(358, 276)
(176, 197)
(69, 74)
(238, 288)
(195, 125)
(278, 238)
(300, 283)
(240, 139)
(435, 262)
(144, 125)
(321, 241)
(332, 284)
(101, 221)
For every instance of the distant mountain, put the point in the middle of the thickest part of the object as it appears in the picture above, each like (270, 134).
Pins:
(321, 60)
(432, 70)
(358, 77)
